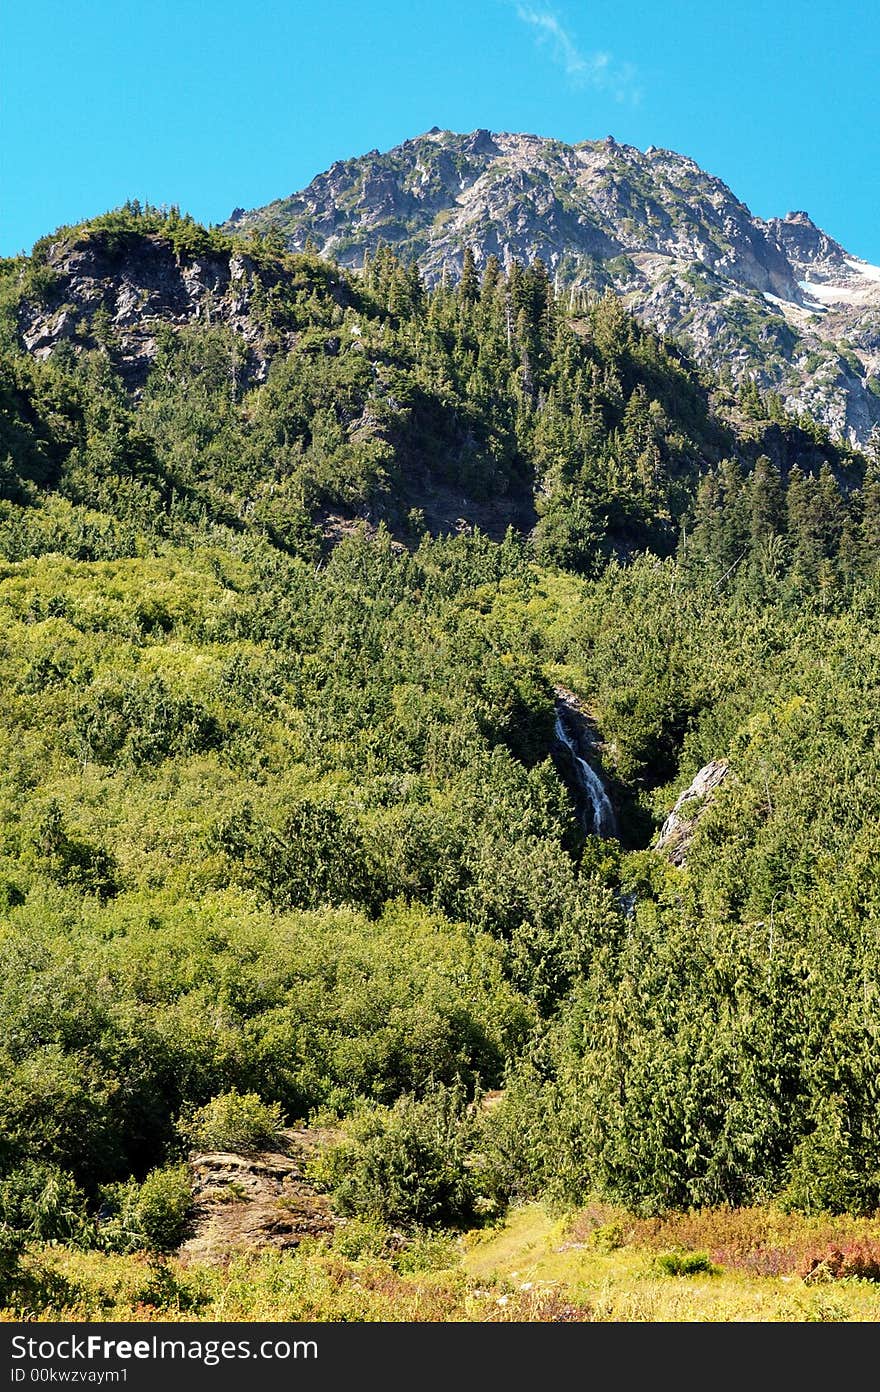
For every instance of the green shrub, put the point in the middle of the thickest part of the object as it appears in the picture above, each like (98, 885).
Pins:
(608, 1237)
(151, 1216)
(118, 1229)
(427, 1251)
(414, 1163)
(236, 1121)
(365, 1237)
(163, 1206)
(11, 1247)
(44, 1202)
(685, 1264)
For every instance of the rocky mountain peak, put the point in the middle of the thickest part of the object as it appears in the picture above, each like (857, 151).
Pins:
(807, 246)
(779, 301)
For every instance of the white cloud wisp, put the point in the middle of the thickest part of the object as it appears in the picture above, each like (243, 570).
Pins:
(598, 70)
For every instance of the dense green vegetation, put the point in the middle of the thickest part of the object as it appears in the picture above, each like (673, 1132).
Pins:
(282, 820)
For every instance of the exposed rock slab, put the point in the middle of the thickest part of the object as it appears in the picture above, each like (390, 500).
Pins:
(125, 293)
(677, 831)
(253, 1202)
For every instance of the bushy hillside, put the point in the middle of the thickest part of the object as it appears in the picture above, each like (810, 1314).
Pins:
(283, 812)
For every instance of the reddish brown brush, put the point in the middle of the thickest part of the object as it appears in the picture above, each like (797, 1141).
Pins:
(854, 1259)
(756, 1241)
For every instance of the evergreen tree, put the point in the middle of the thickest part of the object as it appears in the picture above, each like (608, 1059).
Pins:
(828, 512)
(734, 514)
(750, 400)
(869, 532)
(765, 502)
(468, 288)
(491, 277)
(801, 522)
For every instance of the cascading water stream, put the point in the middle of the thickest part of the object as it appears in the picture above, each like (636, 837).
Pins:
(590, 784)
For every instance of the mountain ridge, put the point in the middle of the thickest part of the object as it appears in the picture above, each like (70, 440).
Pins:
(778, 300)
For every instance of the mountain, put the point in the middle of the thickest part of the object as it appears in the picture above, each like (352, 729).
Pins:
(277, 389)
(442, 719)
(780, 301)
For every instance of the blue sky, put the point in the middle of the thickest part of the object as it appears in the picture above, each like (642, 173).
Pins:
(238, 102)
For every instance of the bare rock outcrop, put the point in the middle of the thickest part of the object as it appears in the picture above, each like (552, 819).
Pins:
(122, 292)
(678, 829)
(251, 1202)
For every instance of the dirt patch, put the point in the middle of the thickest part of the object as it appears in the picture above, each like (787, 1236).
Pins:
(253, 1202)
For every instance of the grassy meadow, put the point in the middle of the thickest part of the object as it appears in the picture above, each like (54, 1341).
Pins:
(599, 1263)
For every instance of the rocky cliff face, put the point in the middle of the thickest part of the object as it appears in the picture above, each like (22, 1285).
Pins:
(121, 291)
(778, 300)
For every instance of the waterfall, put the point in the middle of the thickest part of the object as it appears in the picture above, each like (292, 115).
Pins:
(589, 783)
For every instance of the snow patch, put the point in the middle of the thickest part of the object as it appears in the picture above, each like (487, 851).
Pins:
(822, 295)
(862, 289)
(791, 310)
(864, 268)
(813, 291)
